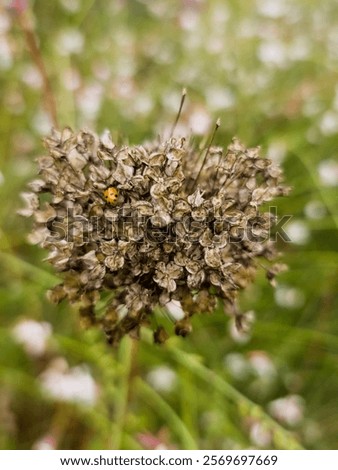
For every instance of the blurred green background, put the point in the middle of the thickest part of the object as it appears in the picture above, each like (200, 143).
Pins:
(269, 70)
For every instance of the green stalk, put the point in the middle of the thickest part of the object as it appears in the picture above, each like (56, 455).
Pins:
(120, 397)
(245, 405)
(167, 413)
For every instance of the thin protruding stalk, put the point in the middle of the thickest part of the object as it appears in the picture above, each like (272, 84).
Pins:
(218, 123)
(217, 171)
(125, 356)
(36, 56)
(184, 94)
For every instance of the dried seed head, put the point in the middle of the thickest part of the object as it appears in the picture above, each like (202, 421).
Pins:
(125, 219)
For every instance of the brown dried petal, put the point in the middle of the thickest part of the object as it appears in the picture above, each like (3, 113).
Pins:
(192, 266)
(114, 262)
(76, 159)
(106, 140)
(46, 215)
(89, 260)
(46, 163)
(206, 238)
(212, 258)
(157, 159)
(31, 201)
(123, 173)
(161, 219)
(38, 236)
(199, 214)
(196, 280)
(181, 208)
(196, 199)
(144, 208)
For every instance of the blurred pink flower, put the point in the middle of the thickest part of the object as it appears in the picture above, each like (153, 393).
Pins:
(19, 5)
(150, 441)
(46, 442)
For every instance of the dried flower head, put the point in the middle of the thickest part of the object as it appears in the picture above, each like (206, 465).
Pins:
(151, 224)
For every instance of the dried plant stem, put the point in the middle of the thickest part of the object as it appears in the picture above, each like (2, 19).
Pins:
(35, 53)
(184, 94)
(217, 171)
(218, 123)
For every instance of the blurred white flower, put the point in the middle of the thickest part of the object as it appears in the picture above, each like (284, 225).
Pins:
(71, 79)
(47, 442)
(124, 88)
(199, 121)
(277, 151)
(31, 76)
(5, 22)
(189, 19)
(6, 56)
(162, 378)
(33, 336)
(262, 364)
(70, 41)
(237, 365)
(42, 122)
(272, 8)
(298, 232)
(2, 178)
(71, 5)
(220, 14)
(329, 123)
(219, 98)
(328, 172)
(288, 410)
(260, 436)
(273, 53)
(160, 8)
(74, 384)
(289, 297)
(143, 104)
(315, 210)
(89, 100)
(102, 71)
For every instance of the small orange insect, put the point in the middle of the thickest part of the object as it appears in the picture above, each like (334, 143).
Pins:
(110, 195)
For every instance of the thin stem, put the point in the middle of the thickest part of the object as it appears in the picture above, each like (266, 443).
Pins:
(126, 355)
(35, 53)
(218, 123)
(184, 94)
(22, 267)
(217, 171)
(245, 404)
(168, 414)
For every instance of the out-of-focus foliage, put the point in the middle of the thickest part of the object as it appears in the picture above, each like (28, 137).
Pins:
(268, 68)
